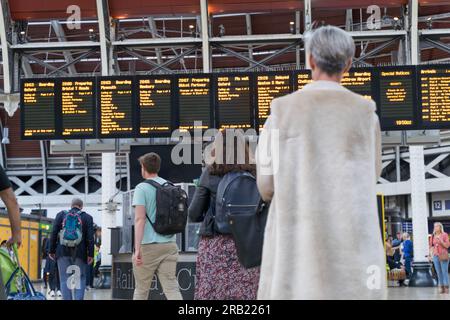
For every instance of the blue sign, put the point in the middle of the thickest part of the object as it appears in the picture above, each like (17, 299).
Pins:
(437, 205)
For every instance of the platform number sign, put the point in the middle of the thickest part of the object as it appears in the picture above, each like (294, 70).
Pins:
(437, 205)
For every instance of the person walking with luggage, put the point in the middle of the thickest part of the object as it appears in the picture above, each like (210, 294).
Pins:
(220, 276)
(9, 199)
(72, 247)
(439, 244)
(153, 251)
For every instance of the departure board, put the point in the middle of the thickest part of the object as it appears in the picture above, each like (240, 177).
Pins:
(195, 102)
(115, 107)
(397, 98)
(234, 101)
(269, 87)
(359, 81)
(38, 109)
(434, 96)
(155, 105)
(302, 78)
(77, 105)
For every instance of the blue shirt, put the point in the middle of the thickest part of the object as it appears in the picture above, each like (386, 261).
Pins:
(407, 249)
(145, 195)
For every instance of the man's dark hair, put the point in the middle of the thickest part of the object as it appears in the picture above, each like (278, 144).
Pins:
(151, 162)
(77, 202)
(3, 243)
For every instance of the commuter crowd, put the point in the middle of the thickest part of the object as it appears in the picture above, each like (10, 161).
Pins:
(312, 176)
(316, 166)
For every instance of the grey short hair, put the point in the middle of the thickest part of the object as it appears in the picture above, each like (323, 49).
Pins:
(77, 202)
(331, 48)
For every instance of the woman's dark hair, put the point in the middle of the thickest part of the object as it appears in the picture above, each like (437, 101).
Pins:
(227, 157)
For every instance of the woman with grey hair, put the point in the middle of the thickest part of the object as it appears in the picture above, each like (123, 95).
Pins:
(318, 161)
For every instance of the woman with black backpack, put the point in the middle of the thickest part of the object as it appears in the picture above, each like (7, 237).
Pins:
(220, 276)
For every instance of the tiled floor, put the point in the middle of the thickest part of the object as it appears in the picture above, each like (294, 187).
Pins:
(410, 293)
(399, 293)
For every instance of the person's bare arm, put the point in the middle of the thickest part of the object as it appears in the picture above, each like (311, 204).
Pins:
(139, 226)
(264, 163)
(10, 200)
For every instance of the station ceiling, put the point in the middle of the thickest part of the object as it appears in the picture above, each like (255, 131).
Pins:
(267, 17)
(56, 9)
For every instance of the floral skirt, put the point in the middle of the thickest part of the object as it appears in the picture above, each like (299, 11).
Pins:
(220, 276)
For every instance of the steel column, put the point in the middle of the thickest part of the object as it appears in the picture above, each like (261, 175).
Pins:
(108, 158)
(206, 50)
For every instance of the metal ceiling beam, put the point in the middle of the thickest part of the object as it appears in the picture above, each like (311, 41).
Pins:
(275, 54)
(5, 39)
(414, 31)
(375, 51)
(243, 57)
(248, 25)
(72, 62)
(205, 38)
(307, 14)
(61, 35)
(438, 44)
(154, 32)
(144, 59)
(435, 32)
(103, 28)
(297, 31)
(26, 67)
(349, 20)
(55, 46)
(376, 34)
(434, 17)
(159, 42)
(307, 21)
(43, 63)
(257, 38)
(176, 58)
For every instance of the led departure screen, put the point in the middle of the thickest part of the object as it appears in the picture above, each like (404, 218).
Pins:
(434, 93)
(302, 78)
(78, 108)
(116, 106)
(155, 105)
(268, 87)
(234, 101)
(194, 101)
(396, 98)
(38, 109)
(359, 81)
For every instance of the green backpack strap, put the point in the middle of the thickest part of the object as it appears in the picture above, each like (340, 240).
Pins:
(16, 257)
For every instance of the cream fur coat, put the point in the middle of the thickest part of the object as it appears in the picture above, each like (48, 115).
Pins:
(318, 159)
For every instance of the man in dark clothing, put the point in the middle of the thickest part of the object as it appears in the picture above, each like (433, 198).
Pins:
(396, 243)
(9, 199)
(51, 270)
(72, 262)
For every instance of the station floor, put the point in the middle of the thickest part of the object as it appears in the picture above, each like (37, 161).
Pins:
(396, 293)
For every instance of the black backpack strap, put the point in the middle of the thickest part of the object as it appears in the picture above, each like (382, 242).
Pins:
(157, 186)
(153, 183)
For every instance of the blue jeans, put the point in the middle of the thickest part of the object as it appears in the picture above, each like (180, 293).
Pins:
(441, 270)
(408, 261)
(73, 288)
